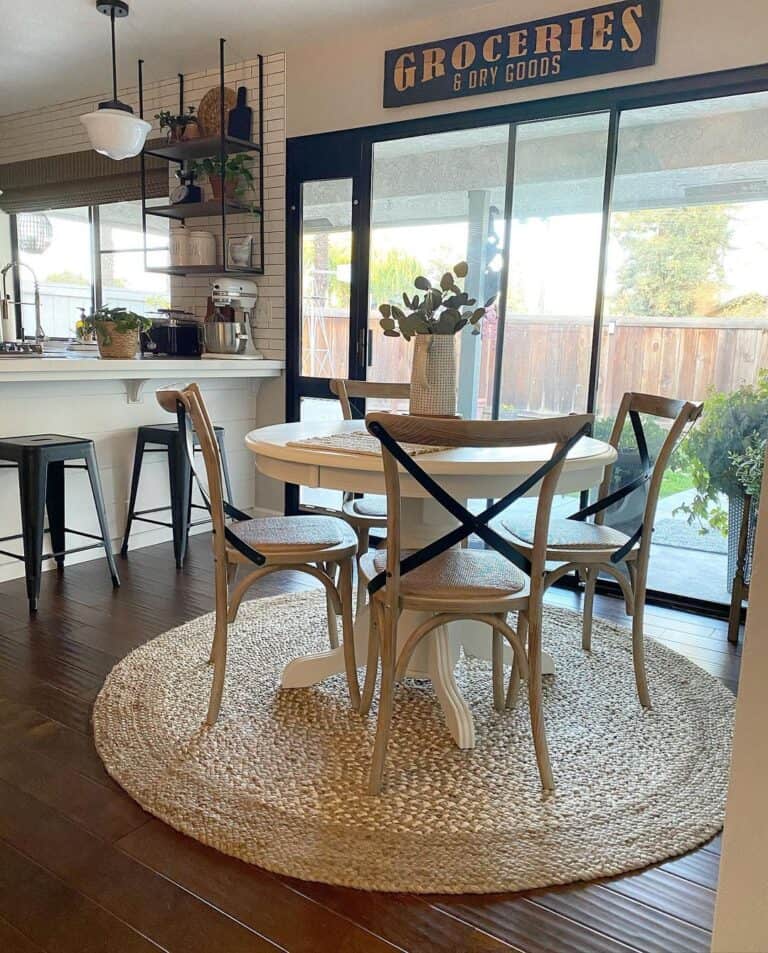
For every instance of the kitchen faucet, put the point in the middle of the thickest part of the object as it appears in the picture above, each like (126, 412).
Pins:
(7, 300)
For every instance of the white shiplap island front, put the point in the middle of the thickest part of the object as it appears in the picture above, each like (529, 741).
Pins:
(106, 400)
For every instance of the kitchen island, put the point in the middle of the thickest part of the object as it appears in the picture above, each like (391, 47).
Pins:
(106, 400)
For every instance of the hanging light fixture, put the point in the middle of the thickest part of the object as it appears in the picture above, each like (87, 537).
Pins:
(113, 129)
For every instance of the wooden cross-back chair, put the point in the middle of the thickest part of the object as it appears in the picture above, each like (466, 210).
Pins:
(454, 584)
(592, 547)
(369, 512)
(317, 545)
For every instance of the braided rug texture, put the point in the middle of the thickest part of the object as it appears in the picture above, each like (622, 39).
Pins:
(280, 780)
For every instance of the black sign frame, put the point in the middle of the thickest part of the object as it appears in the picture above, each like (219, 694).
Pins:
(603, 39)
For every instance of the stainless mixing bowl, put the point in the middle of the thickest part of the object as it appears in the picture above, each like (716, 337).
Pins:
(225, 337)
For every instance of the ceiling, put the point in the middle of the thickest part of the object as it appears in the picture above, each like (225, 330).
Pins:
(59, 49)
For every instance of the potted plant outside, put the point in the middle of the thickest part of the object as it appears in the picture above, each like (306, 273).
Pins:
(233, 175)
(179, 128)
(432, 320)
(748, 467)
(117, 331)
(721, 453)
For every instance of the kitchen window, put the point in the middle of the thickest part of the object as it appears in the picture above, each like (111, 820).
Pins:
(84, 258)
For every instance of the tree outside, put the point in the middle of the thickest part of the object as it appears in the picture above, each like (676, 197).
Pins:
(673, 262)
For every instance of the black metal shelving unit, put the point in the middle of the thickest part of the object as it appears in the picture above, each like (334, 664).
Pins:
(219, 146)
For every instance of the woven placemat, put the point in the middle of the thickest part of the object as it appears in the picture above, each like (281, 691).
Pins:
(358, 441)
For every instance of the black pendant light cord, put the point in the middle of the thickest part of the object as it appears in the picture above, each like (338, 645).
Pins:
(114, 55)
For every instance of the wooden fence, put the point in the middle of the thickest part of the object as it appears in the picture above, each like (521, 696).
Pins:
(546, 359)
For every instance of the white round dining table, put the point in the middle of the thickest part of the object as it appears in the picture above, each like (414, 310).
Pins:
(466, 473)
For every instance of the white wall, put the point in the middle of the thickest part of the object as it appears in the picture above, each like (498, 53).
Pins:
(741, 915)
(339, 85)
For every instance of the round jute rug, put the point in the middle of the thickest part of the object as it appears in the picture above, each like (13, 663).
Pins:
(280, 780)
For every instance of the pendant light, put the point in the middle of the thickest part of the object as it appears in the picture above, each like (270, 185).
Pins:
(113, 129)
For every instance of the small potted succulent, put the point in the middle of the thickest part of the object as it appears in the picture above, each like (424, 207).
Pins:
(234, 176)
(432, 320)
(117, 331)
(179, 127)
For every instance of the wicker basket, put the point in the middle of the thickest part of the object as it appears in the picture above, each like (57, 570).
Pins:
(433, 376)
(122, 344)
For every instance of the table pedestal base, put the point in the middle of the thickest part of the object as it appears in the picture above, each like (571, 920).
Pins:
(436, 657)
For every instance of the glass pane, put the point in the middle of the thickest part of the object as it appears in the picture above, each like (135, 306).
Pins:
(125, 283)
(687, 297)
(317, 409)
(438, 200)
(120, 226)
(56, 245)
(554, 256)
(326, 275)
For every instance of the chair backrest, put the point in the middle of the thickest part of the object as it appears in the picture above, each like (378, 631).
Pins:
(682, 413)
(561, 433)
(346, 390)
(187, 403)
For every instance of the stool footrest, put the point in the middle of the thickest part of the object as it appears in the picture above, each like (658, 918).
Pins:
(64, 552)
(79, 532)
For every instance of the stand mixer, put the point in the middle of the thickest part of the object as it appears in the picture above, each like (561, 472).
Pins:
(229, 339)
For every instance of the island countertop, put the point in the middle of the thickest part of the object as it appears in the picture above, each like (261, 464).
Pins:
(134, 371)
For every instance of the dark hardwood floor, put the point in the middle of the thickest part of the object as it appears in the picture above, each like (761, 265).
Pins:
(84, 870)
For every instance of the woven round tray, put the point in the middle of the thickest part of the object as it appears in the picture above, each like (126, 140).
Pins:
(209, 110)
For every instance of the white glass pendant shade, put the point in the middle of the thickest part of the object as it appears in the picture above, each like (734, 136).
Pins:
(112, 128)
(116, 133)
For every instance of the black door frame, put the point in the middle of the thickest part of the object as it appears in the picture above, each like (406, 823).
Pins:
(338, 155)
(348, 154)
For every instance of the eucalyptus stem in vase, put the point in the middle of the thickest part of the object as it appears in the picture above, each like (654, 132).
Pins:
(432, 319)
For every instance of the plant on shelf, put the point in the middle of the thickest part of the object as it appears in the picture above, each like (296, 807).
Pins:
(233, 175)
(432, 319)
(116, 329)
(180, 127)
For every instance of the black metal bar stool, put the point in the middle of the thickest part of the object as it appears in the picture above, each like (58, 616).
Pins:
(40, 461)
(165, 438)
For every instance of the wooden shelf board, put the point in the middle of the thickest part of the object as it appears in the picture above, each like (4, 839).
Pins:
(200, 210)
(182, 270)
(201, 148)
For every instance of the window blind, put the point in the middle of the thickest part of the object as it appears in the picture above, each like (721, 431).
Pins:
(78, 178)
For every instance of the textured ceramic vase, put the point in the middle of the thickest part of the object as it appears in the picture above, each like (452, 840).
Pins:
(433, 376)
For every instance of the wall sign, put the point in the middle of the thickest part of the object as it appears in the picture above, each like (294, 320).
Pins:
(605, 39)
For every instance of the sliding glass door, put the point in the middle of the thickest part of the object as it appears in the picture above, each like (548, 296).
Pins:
(623, 232)
(556, 197)
(686, 306)
(437, 200)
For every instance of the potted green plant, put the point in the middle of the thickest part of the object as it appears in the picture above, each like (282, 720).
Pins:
(179, 127)
(432, 319)
(117, 330)
(721, 454)
(233, 175)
